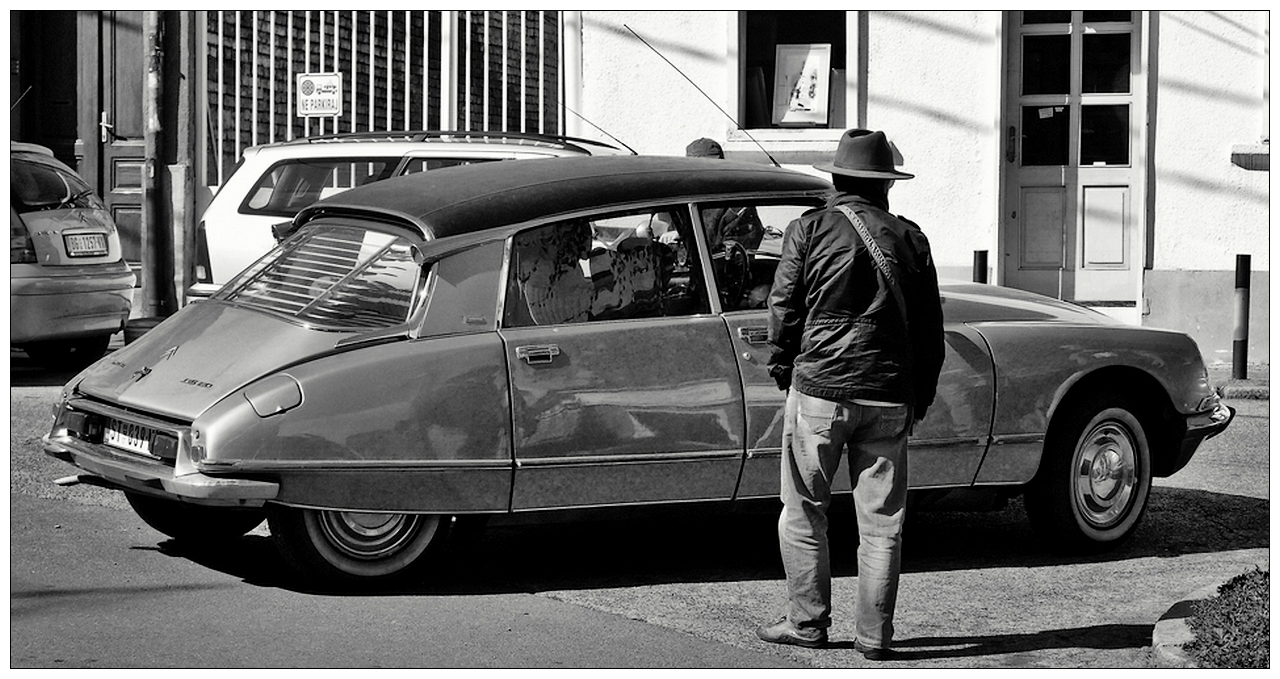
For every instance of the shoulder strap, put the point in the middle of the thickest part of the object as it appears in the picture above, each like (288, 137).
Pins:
(880, 260)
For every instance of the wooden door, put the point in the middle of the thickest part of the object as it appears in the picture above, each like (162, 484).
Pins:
(112, 63)
(1073, 180)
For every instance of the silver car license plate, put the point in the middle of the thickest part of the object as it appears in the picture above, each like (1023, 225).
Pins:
(134, 438)
(85, 244)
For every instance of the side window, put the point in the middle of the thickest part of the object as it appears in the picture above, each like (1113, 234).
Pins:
(746, 243)
(626, 266)
(416, 165)
(289, 186)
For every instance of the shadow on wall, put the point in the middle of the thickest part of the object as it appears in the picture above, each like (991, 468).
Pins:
(1202, 304)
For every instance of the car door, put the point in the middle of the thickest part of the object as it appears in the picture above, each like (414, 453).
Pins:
(946, 448)
(623, 385)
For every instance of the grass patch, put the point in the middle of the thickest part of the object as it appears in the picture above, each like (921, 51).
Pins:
(1233, 629)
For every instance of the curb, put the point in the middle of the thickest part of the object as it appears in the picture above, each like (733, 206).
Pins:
(1172, 631)
(1244, 391)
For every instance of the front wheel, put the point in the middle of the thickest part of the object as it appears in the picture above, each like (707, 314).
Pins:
(353, 547)
(192, 523)
(1095, 478)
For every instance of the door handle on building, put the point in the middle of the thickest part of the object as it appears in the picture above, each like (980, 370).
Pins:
(537, 354)
(107, 131)
(1011, 146)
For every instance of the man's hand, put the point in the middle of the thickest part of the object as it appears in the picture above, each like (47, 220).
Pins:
(781, 375)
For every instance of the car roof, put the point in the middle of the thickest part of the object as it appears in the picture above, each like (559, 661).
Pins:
(469, 198)
(25, 147)
(405, 141)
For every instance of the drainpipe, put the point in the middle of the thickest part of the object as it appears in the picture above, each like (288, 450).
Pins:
(152, 211)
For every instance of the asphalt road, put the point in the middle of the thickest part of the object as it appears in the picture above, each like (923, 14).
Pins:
(92, 586)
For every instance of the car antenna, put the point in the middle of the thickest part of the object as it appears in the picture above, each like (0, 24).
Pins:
(584, 119)
(700, 91)
(21, 97)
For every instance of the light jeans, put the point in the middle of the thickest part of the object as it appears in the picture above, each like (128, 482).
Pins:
(815, 434)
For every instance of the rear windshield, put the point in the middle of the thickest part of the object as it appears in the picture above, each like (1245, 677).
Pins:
(40, 186)
(336, 277)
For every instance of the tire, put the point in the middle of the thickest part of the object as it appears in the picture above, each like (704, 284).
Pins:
(1092, 487)
(354, 547)
(62, 355)
(192, 523)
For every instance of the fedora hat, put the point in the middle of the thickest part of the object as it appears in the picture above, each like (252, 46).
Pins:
(863, 153)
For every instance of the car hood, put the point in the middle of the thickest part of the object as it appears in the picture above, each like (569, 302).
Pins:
(199, 356)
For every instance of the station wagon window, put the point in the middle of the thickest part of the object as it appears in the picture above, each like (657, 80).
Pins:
(745, 252)
(625, 266)
(336, 277)
(289, 186)
(416, 165)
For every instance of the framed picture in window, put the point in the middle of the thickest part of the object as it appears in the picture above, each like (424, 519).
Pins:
(801, 85)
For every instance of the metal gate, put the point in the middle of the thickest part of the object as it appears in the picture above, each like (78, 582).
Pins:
(402, 70)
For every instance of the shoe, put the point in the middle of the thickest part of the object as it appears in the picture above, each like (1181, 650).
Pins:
(784, 632)
(873, 654)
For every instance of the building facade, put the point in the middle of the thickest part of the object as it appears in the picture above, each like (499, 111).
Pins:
(1118, 159)
(1115, 158)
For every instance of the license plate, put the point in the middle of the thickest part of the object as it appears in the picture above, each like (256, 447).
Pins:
(85, 244)
(134, 438)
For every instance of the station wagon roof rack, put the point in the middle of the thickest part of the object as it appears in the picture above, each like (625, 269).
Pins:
(461, 136)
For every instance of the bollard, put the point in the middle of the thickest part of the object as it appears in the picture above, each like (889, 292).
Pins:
(1240, 345)
(979, 266)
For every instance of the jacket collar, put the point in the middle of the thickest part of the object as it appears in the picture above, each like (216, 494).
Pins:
(852, 198)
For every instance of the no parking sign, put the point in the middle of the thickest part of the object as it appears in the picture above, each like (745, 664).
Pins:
(319, 95)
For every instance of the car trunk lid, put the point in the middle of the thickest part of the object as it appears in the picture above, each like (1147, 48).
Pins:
(199, 356)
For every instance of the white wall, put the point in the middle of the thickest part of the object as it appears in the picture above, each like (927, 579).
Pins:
(939, 105)
(1212, 70)
(934, 87)
(631, 92)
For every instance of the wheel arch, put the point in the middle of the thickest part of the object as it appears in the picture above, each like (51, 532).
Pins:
(1151, 402)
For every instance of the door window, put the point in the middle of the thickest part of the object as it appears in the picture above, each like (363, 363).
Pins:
(626, 266)
(745, 242)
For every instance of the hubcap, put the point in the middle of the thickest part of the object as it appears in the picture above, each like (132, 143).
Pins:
(1106, 474)
(369, 536)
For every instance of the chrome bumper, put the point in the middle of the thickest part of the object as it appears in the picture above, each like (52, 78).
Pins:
(1207, 425)
(125, 472)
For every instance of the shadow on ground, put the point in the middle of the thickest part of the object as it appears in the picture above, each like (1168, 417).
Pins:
(683, 546)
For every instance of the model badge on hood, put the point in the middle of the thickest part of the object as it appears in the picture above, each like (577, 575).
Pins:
(139, 374)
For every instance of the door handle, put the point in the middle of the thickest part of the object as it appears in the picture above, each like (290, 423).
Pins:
(1011, 148)
(754, 334)
(537, 354)
(107, 131)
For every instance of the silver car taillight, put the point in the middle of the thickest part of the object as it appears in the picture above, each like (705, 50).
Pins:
(21, 249)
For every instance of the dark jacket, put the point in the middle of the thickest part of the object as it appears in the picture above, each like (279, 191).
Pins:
(833, 319)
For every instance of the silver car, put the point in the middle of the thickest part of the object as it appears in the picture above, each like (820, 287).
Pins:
(522, 339)
(69, 286)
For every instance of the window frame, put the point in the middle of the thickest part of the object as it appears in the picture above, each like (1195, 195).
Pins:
(773, 137)
(679, 209)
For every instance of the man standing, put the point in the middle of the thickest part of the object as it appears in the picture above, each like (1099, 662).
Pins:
(856, 329)
(740, 224)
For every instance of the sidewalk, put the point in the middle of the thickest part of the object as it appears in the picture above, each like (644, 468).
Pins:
(1171, 631)
(1256, 385)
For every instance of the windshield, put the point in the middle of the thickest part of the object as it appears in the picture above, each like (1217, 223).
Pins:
(40, 186)
(336, 277)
